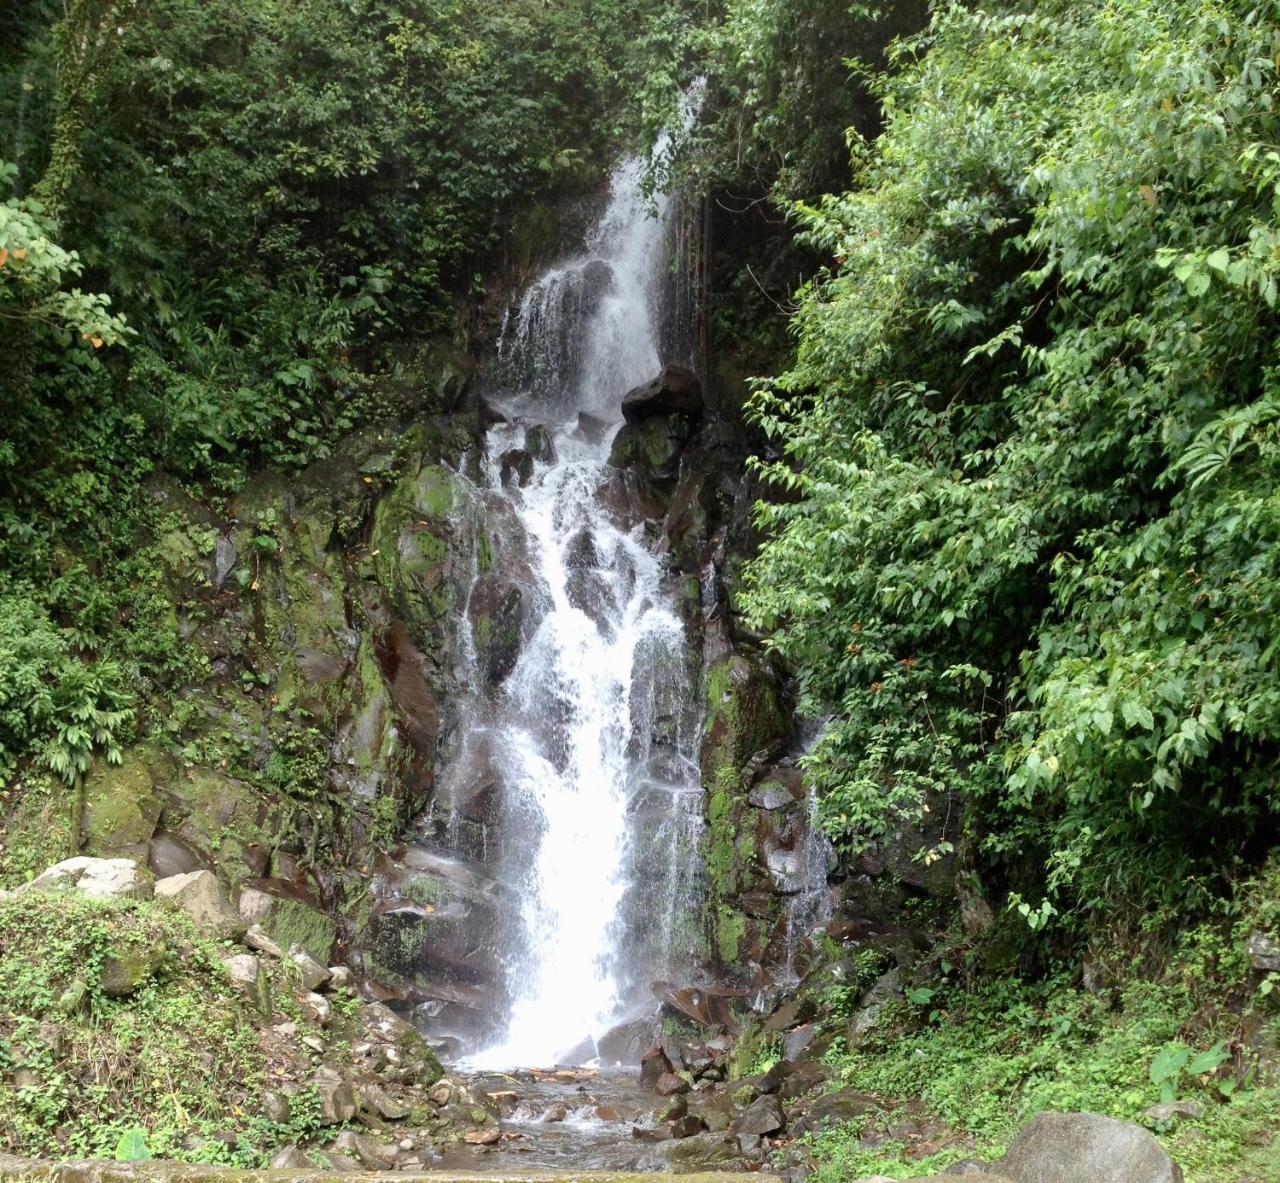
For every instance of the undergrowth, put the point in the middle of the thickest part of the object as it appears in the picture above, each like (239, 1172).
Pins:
(1190, 1023)
(178, 1060)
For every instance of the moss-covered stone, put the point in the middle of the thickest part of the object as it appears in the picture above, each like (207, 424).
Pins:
(121, 807)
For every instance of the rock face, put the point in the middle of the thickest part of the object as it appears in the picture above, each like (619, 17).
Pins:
(1070, 1147)
(676, 391)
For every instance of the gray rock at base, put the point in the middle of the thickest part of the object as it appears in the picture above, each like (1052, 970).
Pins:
(97, 878)
(258, 940)
(763, 1116)
(314, 975)
(795, 1043)
(337, 1097)
(200, 896)
(375, 1155)
(292, 1158)
(1192, 1110)
(1071, 1147)
(247, 972)
(276, 1107)
(374, 1099)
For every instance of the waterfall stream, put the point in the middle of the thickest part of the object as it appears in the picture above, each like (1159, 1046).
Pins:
(583, 738)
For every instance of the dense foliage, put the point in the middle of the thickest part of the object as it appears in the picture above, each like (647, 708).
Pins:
(1027, 558)
(226, 230)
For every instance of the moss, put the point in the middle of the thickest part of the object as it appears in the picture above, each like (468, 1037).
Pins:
(120, 807)
(731, 927)
(293, 922)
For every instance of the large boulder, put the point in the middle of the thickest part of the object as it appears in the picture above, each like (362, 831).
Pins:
(200, 896)
(97, 878)
(676, 391)
(288, 919)
(1071, 1147)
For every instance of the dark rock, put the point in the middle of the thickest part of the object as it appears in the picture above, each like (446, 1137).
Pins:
(516, 465)
(539, 445)
(654, 1064)
(795, 1043)
(675, 1108)
(669, 1084)
(708, 1006)
(676, 391)
(716, 1109)
(791, 1014)
(702, 1152)
(772, 1080)
(808, 1075)
(763, 1116)
(1069, 1147)
(685, 1127)
(169, 855)
(651, 1133)
(626, 1043)
(591, 428)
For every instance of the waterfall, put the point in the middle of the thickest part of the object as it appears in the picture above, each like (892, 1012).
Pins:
(590, 736)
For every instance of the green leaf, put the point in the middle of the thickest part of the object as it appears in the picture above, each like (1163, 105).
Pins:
(132, 1146)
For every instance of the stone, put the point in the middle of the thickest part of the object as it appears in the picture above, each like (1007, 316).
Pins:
(288, 920)
(840, 1106)
(125, 968)
(96, 878)
(200, 896)
(337, 1097)
(675, 391)
(374, 1099)
(653, 1065)
(375, 1155)
(484, 1136)
(120, 808)
(554, 1113)
(420, 1064)
(258, 940)
(763, 1116)
(808, 1075)
(313, 975)
(247, 972)
(292, 1158)
(317, 1008)
(685, 1127)
(1069, 1147)
(1191, 1110)
(675, 1108)
(774, 1079)
(276, 1107)
(749, 1143)
(669, 1084)
(795, 1043)
(703, 1152)
(341, 978)
(643, 1133)
(1264, 952)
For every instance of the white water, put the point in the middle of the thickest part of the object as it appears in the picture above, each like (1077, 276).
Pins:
(576, 739)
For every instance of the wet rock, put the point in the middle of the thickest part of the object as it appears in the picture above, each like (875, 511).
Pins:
(676, 1107)
(484, 1136)
(169, 855)
(337, 1097)
(1264, 952)
(224, 560)
(708, 1006)
(773, 1080)
(96, 878)
(591, 428)
(675, 391)
(702, 1152)
(716, 1109)
(763, 1116)
(201, 896)
(654, 1064)
(685, 1127)
(669, 1084)
(538, 442)
(626, 1043)
(554, 1113)
(808, 1075)
(771, 796)
(791, 1014)
(516, 467)
(651, 1133)
(1068, 1147)
(375, 1155)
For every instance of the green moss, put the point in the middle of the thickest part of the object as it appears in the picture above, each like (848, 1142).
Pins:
(731, 927)
(120, 807)
(293, 922)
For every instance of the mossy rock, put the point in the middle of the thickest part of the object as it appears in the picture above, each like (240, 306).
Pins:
(121, 807)
(289, 921)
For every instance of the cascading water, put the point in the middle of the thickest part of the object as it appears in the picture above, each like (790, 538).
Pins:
(589, 739)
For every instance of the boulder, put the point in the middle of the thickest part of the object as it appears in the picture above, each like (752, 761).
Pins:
(654, 1064)
(200, 896)
(669, 1084)
(313, 975)
(292, 1158)
(676, 391)
(97, 878)
(248, 973)
(276, 1107)
(375, 1155)
(844, 1105)
(763, 1116)
(1070, 1147)
(337, 1097)
(702, 1152)
(120, 808)
(126, 968)
(687, 1126)
(419, 1064)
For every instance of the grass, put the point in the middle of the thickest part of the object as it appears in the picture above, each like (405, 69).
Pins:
(181, 1059)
